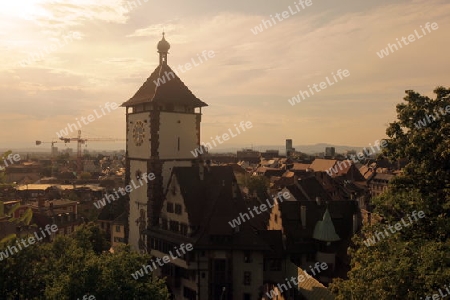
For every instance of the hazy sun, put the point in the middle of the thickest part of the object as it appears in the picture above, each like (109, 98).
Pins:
(26, 9)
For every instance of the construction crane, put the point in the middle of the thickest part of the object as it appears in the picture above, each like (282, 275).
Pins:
(80, 141)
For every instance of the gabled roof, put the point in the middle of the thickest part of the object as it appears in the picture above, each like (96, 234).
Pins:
(300, 167)
(172, 91)
(320, 164)
(212, 203)
(381, 176)
(311, 289)
(312, 188)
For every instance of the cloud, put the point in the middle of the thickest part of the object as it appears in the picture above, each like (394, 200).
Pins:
(251, 76)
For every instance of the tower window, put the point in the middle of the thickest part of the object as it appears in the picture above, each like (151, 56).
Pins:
(178, 143)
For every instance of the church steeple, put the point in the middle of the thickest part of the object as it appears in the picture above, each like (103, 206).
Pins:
(163, 50)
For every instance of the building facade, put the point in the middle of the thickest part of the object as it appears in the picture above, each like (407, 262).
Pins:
(163, 127)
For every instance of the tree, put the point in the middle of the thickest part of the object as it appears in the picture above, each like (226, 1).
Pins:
(73, 266)
(415, 261)
(258, 184)
(4, 157)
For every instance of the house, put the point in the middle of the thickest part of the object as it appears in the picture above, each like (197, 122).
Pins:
(298, 220)
(379, 183)
(118, 230)
(62, 212)
(226, 262)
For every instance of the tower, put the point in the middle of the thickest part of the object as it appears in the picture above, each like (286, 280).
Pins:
(163, 127)
(288, 147)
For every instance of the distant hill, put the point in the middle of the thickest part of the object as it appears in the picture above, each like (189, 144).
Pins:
(308, 149)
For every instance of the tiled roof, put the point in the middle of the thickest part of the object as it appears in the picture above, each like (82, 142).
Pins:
(320, 164)
(341, 213)
(381, 176)
(300, 167)
(173, 91)
(210, 204)
(312, 188)
(122, 219)
(311, 289)
(346, 166)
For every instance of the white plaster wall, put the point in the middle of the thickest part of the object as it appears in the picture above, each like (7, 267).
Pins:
(175, 199)
(172, 126)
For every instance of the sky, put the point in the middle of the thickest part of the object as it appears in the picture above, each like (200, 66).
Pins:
(62, 59)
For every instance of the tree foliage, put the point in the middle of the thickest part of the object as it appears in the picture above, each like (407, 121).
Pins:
(415, 261)
(71, 267)
(258, 184)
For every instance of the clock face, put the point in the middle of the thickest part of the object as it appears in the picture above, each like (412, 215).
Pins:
(138, 133)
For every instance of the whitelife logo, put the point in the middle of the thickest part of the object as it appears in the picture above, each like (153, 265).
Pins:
(281, 197)
(398, 226)
(198, 151)
(71, 127)
(165, 260)
(31, 240)
(430, 118)
(362, 155)
(282, 287)
(110, 197)
(411, 38)
(436, 296)
(12, 158)
(40, 55)
(170, 75)
(323, 85)
(87, 297)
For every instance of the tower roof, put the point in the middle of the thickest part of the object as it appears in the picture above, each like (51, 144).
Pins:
(173, 91)
(324, 230)
(164, 86)
(163, 45)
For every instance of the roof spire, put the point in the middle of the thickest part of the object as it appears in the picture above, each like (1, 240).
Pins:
(163, 50)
